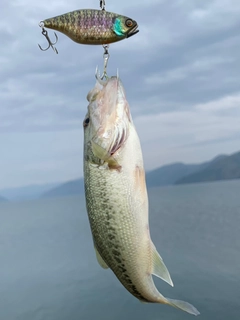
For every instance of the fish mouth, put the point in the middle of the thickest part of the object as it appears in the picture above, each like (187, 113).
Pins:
(133, 31)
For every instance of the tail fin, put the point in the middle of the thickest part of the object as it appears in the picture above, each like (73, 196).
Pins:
(185, 306)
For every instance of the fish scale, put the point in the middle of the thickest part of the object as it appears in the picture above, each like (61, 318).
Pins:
(105, 190)
(89, 26)
(111, 224)
(116, 196)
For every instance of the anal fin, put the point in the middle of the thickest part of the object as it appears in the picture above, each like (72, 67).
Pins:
(158, 267)
(100, 259)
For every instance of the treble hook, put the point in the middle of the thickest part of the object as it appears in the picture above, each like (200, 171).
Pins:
(106, 56)
(102, 4)
(50, 43)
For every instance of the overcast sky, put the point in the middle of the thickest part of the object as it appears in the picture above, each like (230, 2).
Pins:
(181, 73)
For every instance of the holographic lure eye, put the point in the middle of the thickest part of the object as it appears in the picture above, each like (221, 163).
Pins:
(129, 23)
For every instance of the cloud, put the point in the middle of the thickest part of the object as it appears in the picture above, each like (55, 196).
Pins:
(226, 103)
(202, 128)
(181, 75)
(204, 122)
(40, 157)
(197, 67)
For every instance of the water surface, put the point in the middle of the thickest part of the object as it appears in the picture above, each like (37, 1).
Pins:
(49, 271)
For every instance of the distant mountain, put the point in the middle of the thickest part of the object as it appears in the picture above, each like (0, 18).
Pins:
(163, 176)
(222, 168)
(66, 189)
(27, 192)
(2, 199)
(169, 174)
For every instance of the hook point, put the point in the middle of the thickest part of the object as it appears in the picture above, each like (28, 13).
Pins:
(50, 43)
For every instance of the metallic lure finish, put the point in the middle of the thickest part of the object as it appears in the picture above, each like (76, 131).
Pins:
(94, 27)
(116, 195)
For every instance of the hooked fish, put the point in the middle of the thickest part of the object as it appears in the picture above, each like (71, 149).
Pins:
(116, 195)
(89, 26)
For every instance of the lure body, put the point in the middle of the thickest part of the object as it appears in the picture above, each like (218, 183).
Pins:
(94, 27)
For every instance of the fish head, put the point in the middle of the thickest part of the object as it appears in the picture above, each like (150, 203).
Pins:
(107, 123)
(124, 26)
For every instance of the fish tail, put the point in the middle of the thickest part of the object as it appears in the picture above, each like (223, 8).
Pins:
(185, 306)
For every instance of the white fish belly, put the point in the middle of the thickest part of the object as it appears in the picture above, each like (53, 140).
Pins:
(117, 206)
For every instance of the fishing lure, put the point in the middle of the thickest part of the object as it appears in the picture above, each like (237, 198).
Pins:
(90, 26)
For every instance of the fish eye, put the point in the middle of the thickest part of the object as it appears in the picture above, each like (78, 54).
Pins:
(129, 23)
(86, 122)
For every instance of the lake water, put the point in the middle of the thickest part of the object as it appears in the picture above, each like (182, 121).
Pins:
(48, 268)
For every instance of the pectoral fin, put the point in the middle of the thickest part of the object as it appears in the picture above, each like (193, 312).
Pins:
(99, 151)
(158, 267)
(100, 259)
(104, 155)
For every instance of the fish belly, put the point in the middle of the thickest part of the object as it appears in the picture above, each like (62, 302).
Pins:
(117, 206)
